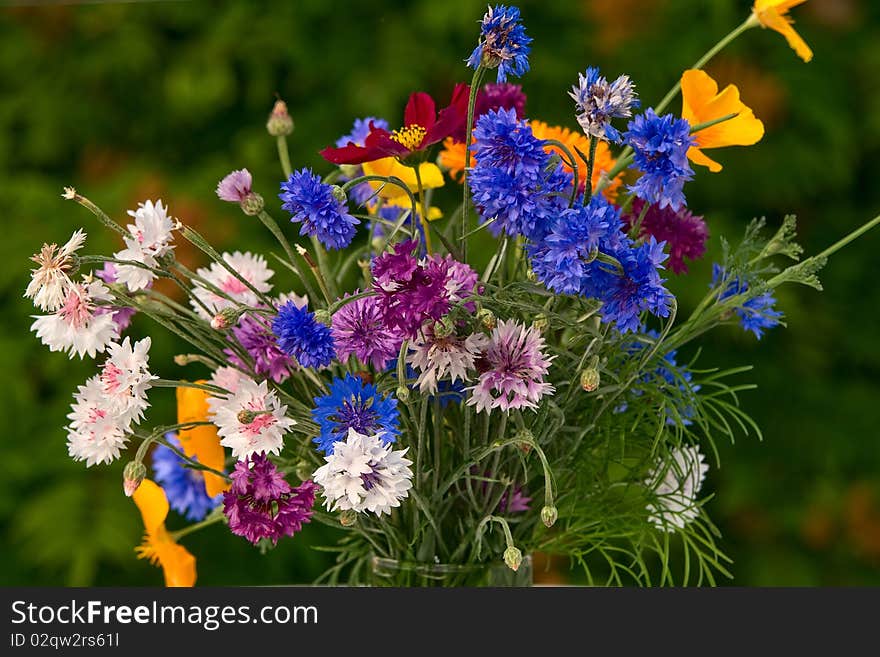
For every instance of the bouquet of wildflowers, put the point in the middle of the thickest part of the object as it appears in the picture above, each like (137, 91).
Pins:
(456, 386)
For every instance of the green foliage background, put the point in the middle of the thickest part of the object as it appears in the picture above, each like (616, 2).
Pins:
(139, 100)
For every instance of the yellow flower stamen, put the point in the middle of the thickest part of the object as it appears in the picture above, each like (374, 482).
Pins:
(410, 137)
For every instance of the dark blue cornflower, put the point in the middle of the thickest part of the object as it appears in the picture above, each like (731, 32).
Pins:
(597, 101)
(184, 487)
(506, 142)
(503, 43)
(561, 259)
(353, 404)
(317, 207)
(755, 315)
(661, 144)
(638, 288)
(298, 334)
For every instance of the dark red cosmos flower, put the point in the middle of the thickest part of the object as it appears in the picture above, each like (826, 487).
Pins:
(423, 126)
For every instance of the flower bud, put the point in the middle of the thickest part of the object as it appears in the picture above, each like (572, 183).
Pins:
(512, 557)
(531, 275)
(402, 393)
(348, 518)
(443, 328)
(323, 317)
(487, 318)
(541, 322)
(132, 476)
(252, 204)
(590, 379)
(246, 417)
(549, 515)
(279, 124)
(224, 319)
(339, 193)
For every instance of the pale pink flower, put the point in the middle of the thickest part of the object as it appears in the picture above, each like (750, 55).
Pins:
(50, 281)
(95, 433)
(437, 356)
(251, 268)
(79, 326)
(148, 239)
(236, 186)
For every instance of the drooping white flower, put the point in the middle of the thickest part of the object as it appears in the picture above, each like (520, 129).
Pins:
(250, 420)
(126, 377)
(95, 433)
(436, 356)
(364, 474)
(79, 326)
(676, 482)
(148, 239)
(50, 281)
(250, 267)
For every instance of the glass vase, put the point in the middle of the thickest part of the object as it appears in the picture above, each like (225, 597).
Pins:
(393, 572)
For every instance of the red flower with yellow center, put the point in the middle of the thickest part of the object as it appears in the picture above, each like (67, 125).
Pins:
(422, 127)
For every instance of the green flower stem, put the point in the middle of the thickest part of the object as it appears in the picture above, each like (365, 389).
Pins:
(834, 248)
(637, 226)
(392, 180)
(324, 268)
(588, 183)
(284, 155)
(215, 517)
(171, 383)
(422, 217)
(472, 101)
(270, 223)
(711, 122)
(572, 162)
(98, 212)
(344, 301)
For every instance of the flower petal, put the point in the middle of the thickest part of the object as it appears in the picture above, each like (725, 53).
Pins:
(153, 505)
(697, 156)
(420, 110)
(201, 442)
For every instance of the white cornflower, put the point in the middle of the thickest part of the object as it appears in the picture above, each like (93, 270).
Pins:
(95, 434)
(676, 483)
(51, 281)
(250, 267)
(364, 474)
(79, 326)
(126, 377)
(250, 420)
(149, 238)
(438, 356)
(227, 378)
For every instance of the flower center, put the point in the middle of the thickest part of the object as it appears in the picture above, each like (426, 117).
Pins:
(410, 137)
(110, 377)
(233, 286)
(76, 311)
(357, 415)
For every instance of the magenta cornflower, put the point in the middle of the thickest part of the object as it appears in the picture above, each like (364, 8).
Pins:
(512, 369)
(359, 328)
(261, 504)
(685, 234)
(254, 333)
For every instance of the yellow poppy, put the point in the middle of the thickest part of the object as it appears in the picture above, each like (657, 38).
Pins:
(201, 442)
(430, 173)
(774, 14)
(702, 102)
(178, 565)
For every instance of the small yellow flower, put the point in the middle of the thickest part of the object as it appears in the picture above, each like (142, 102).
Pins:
(431, 175)
(774, 14)
(702, 102)
(178, 565)
(201, 442)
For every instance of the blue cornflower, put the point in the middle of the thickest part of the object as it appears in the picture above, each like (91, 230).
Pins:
(353, 404)
(638, 288)
(673, 379)
(184, 487)
(661, 144)
(318, 208)
(561, 260)
(756, 314)
(503, 43)
(506, 142)
(597, 101)
(298, 334)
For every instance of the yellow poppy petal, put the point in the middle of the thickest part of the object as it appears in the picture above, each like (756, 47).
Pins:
(153, 505)
(178, 564)
(697, 156)
(430, 173)
(773, 14)
(202, 442)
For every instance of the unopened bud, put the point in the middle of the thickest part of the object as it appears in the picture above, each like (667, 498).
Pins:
(224, 319)
(513, 557)
(132, 476)
(590, 379)
(541, 322)
(323, 317)
(338, 193)
(183, 359)
(402, 393)
(487, 318)
(549, 515)
(246, 417)
(443, 328)
(279, 124)
(531, 275)
(252, 204)
(348, 518)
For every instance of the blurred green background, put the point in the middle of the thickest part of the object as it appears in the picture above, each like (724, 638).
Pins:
(142, 100)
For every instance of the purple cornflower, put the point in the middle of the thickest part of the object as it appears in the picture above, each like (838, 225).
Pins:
(184, 487)
(122, 314)
(501, 96)
(319, 209)
(461, 280)
(298, 334)
(661, 144)
(503, 43)
(236, 186)
(409, 293)
(353, 404)
(254, 333)
(261, 504)
(684, 233)
(359, 329)
(757, 313)
(512, 369)
(597, 101)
